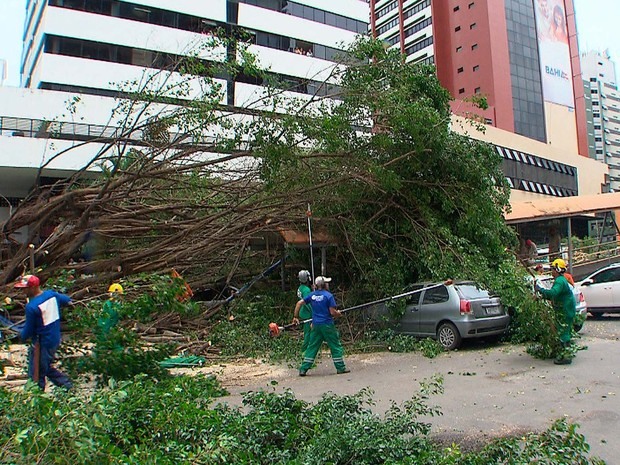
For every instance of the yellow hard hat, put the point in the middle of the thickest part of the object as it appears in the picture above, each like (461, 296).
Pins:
(559, 265)
(115, 287)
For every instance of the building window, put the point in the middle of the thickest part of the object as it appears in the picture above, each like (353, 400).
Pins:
(460, 70)
(598, 139)
(458, 49)
(416, 9)
(418, 27)
(476, 68)
(597, 126)
(457, 28)
(593, 79)
(477, 90)
(595, 103)
(456, 8)
(461, 91)
(472, 26)
(474, 47)
(386, 9)
(419, 45)
(596, 115)
(488, 121)
(471, 5)
(594, 91)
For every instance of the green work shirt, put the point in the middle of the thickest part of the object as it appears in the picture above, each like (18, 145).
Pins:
(108, 317)
(561, 296)
(305, 311)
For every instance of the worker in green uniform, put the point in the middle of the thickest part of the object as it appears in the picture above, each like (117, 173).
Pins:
(305, 312)
(323, 328)
(108, 318)
(563, 301)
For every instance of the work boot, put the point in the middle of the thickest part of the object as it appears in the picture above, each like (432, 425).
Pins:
(303, 372)
(563, 361)
(341, 372)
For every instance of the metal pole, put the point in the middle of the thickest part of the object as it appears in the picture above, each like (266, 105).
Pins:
(309, 214)
(31, 257)
(570, 245)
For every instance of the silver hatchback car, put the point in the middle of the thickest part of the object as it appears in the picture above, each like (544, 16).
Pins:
(453, 312)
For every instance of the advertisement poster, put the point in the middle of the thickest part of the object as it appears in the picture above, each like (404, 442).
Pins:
(553, 49)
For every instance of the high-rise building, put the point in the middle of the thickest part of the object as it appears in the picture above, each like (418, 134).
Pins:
(603, 112)
(90, 46)
(405, 24)
(521, 55)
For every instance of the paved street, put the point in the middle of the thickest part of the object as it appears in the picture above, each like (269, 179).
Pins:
(490, 390)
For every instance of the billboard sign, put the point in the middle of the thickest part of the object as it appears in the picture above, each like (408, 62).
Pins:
(554, 52)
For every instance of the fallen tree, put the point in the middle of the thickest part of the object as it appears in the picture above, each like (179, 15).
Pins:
(408, 198)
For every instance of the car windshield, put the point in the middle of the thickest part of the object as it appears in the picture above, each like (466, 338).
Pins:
(472, 291)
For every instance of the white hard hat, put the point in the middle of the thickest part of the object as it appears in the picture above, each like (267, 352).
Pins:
(304, 276)
(321, 280)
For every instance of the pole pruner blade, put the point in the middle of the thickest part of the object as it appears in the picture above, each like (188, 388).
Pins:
(274, 330)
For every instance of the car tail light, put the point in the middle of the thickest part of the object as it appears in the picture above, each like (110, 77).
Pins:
(581, 297)
(465, 307)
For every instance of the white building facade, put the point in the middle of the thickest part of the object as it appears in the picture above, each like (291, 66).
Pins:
(93, 48)
(601, 88)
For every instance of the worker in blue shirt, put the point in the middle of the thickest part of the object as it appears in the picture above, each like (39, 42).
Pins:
(43, 327)
(323, 328)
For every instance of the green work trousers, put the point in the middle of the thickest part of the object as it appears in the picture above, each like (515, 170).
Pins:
(565, 326)
(318, 334)
(307, 329)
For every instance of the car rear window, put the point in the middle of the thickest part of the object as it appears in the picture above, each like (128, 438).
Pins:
(471, 291)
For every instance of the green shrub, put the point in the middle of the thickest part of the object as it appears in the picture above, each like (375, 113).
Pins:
(387, 339)
(173, 421)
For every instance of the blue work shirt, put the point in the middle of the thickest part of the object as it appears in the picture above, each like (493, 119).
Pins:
(321, 301)
(43, 318)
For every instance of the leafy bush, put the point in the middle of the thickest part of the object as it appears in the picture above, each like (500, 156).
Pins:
(119, 355)
(387, 339)
(247, 334)
(116, 350)
(533, 320)
(139, 421)
(157, 294)
(172, 421)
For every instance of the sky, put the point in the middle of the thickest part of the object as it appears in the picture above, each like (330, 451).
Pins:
(598, 27)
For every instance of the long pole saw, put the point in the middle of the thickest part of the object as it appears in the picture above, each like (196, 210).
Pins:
(274, 329)
(309, 215)
(36, 348)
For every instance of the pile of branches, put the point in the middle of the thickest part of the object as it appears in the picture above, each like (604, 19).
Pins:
(178, 186)
(150, 214)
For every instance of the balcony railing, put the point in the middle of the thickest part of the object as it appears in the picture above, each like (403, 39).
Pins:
(45, 129)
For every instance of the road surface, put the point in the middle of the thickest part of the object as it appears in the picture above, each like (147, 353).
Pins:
(490, 390)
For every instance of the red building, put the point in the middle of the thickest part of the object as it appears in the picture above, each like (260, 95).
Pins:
(522, 55)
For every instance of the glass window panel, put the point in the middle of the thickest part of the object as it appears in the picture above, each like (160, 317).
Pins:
(319, 16)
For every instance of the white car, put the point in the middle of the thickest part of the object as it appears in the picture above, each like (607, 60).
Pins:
(602, 290)
(546, 281)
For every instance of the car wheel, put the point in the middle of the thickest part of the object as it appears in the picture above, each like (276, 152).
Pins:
(577, 327)
(596, 315)
(448, 336)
